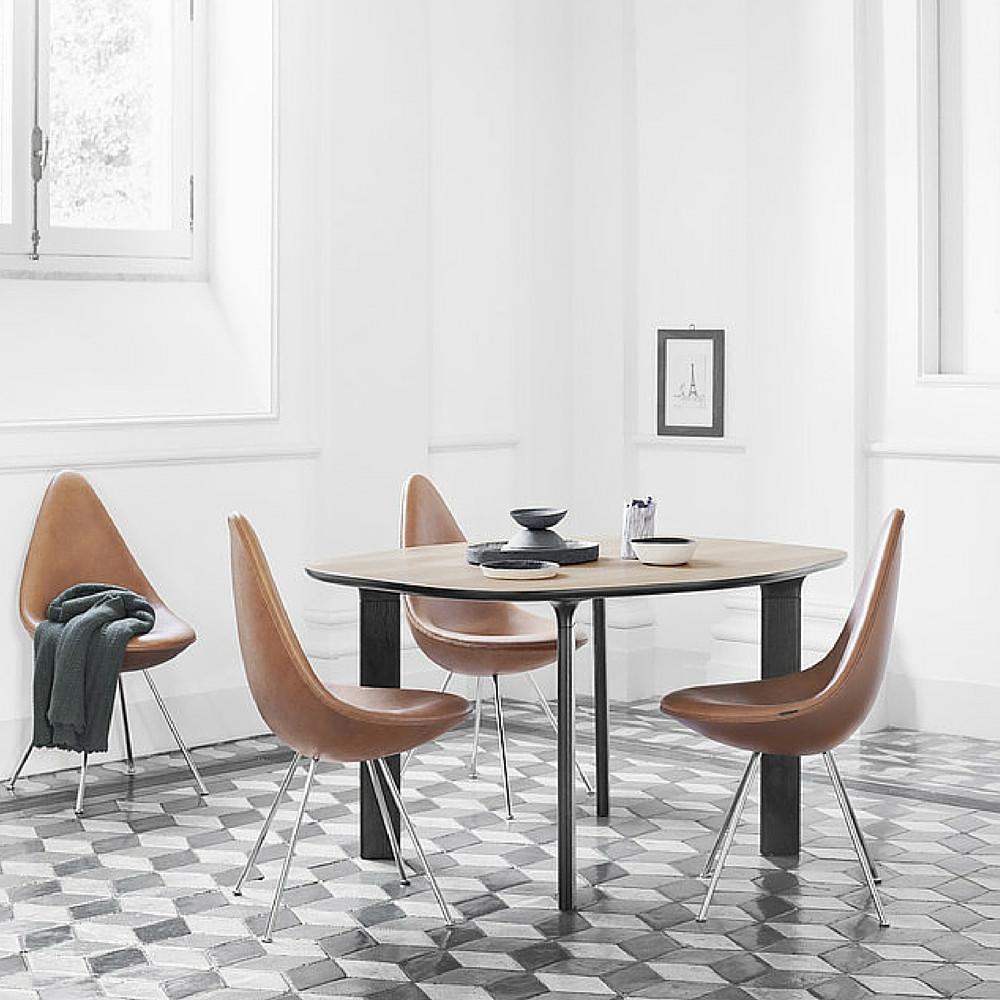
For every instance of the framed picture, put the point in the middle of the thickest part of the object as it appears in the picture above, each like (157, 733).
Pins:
(690, 382)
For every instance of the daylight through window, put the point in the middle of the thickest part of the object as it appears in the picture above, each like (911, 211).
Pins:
(96, 128)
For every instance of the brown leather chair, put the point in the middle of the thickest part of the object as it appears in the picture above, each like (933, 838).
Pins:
(806, 713)
(75, 541)
(342, 723)
(474, 638)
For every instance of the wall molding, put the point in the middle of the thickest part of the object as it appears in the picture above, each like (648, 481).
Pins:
(478, 442)
(723, 444)
(932, 452)
(137, 459)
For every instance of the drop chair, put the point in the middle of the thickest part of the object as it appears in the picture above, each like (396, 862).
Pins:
(478, 639)
(341, 723)
(812, 712)
(75, 541)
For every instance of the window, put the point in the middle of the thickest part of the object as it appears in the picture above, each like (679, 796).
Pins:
(96, 128)
(961, 187)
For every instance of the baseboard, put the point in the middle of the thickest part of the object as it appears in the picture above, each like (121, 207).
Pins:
(943, 705)
(197, 716)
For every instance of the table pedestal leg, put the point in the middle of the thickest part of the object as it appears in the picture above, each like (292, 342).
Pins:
(379, 668)
(566, 779)
(601, 706)
(781, 653)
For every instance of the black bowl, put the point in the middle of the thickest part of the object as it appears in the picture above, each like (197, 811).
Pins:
(515, 563)
(663, 541)
(537, 518)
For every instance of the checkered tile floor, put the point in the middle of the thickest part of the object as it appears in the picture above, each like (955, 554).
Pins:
(133, 899)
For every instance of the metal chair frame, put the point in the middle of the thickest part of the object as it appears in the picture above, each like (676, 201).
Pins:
(501, 734)
(720, 851)
(130, 758)
(375, 767)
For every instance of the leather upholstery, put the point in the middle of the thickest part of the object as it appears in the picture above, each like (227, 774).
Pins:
(475, 638)
(343, 722)
(75, 541)
(815, 710)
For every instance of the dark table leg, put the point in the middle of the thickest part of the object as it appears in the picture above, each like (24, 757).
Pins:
(601, 706)
(781, 653)
(566, 780)
(379, 668)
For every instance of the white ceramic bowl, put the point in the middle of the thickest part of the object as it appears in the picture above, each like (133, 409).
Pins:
(664, 551)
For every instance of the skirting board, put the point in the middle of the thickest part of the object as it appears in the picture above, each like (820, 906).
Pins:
(198, 717)
(943, 705)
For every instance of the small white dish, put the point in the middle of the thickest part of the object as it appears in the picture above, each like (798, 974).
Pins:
(520, 569)
(664, 551)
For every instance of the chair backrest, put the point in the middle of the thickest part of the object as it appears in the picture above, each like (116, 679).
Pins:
(856, 665)
(75, 541)
(298, 708)
(426, 519)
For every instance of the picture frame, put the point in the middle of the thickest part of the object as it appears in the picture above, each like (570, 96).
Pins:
(690, 383)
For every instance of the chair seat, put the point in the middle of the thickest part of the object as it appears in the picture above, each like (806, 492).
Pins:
(379, 722)
(403, 706)
(169, 636)
(484, 638)
(770, 716)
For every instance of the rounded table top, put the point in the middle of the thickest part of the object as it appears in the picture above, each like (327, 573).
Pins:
(442, 571)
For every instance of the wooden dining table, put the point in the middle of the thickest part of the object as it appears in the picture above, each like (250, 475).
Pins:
(718, 564)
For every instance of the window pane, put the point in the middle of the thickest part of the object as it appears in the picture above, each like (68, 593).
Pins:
(110, 114)
(6, 108)
(969, 185)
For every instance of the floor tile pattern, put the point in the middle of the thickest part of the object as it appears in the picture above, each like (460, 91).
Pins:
(133, 899)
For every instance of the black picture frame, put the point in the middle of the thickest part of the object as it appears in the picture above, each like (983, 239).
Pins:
(669, 356)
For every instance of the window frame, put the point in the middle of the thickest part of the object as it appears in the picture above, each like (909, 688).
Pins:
(930, 347)
(176, 253)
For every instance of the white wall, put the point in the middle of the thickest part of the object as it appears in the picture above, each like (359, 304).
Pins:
(170, 483)
(446, 208)
(765, 178)
(933, 445)
(500, 205)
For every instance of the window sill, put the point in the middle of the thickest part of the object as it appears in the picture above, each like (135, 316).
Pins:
(20, 267)
(940, 381)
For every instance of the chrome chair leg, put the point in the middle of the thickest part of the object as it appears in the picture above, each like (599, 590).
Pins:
(405, 761)
(129, 756)
(714, 855)
(502, 735)
(177, 736)
(279, 889)
(547, 709)
(854, 819)
(398, 799)
(78, 808)
(739, 802)
(856, 836)
(20, 767)
(252, 860)
(387, 820)
(474, 770)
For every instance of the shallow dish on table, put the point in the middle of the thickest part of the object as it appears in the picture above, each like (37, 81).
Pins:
(664, 551)
(519, 569)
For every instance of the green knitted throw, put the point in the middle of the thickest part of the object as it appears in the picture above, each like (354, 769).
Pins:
(79, 652)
